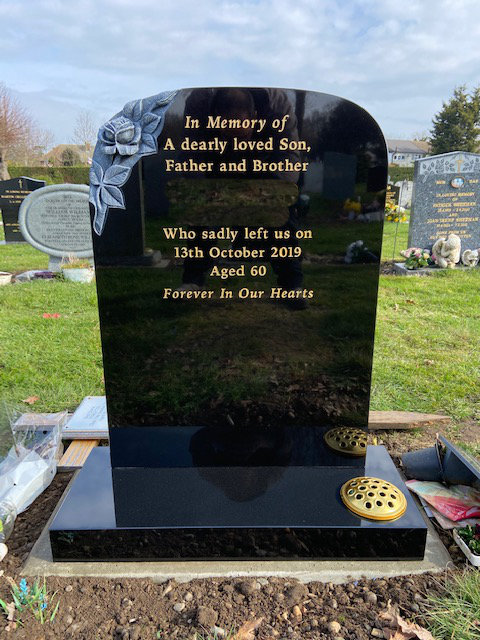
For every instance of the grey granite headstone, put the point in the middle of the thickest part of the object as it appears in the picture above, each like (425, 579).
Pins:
(56, 220)
(313, 180)
(446, 199)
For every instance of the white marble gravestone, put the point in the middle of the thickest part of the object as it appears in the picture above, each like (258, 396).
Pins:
(56, 220)
(405, 195)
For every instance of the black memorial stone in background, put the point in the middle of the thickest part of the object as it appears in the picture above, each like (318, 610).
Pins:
(12, 194)
(392, 195)
(227, 361)
(446, 199)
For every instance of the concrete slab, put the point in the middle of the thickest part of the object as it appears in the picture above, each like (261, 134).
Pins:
(400, 269)
(40, 563)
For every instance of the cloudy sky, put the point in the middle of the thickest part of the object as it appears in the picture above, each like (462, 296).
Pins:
(398, 60)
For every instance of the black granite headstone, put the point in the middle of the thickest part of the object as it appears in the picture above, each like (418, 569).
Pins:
(12, 194)
(340, 175)
(446, 199)
(227, 362)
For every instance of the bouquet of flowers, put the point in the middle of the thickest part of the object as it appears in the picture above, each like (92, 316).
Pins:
(471, 535)
(393, 213)
(357, 252)
(416, 258)
(352, 205)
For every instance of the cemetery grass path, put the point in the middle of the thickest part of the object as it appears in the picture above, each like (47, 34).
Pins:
(389, 244)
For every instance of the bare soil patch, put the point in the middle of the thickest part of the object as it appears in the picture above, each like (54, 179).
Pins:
(139, 609)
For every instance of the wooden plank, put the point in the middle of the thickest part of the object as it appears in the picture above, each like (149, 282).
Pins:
(76, 454)
(403, 420)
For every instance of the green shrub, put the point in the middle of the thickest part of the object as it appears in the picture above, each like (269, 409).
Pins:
(400, 173)
(52, 175)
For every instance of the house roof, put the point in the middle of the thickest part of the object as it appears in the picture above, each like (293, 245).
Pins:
(408, 146)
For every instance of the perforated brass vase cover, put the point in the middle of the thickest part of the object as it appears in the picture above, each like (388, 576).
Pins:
(351, 442)
(373, 498)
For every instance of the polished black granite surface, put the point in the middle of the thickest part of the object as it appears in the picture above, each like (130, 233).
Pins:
(192, 513)
(240, 355)
(293, 446)
(227, 360)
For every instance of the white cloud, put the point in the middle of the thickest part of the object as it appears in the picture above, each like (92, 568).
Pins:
(398, 61)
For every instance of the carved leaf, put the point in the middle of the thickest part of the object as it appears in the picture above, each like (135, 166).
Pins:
(112, 196)
(133, 110)
(160, 102)
(150, 122)
(99, 220)
(96, 174)
(116, 175)
(149, 144)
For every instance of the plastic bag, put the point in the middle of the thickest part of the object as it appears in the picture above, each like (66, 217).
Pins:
(31, 463)
(457, 502)
(8, 514)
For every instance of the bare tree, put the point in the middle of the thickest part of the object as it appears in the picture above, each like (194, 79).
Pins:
(85, 131)
(16, 125)
(32, 150)
(422, 136)
(44, 140)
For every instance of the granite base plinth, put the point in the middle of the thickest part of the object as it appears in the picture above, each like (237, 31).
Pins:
(224, 513)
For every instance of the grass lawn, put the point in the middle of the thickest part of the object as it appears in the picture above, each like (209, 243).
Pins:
(426, 348)
(456, 614)
(427, 344)
(395, 239)
(16, 258)
(57, 359)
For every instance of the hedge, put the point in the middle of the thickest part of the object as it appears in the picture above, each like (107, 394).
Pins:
(52, 175)
(400, 173)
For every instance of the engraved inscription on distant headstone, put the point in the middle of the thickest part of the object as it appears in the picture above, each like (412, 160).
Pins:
(446, 199)
(391, 197)
(56, 220)
(12, 194)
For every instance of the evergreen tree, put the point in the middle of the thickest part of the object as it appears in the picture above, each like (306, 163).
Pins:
(456, 125)
(69, 158)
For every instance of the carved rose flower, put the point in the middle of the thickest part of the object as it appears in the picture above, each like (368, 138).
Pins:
(120, 135)
(131, 132)
(121, 143)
